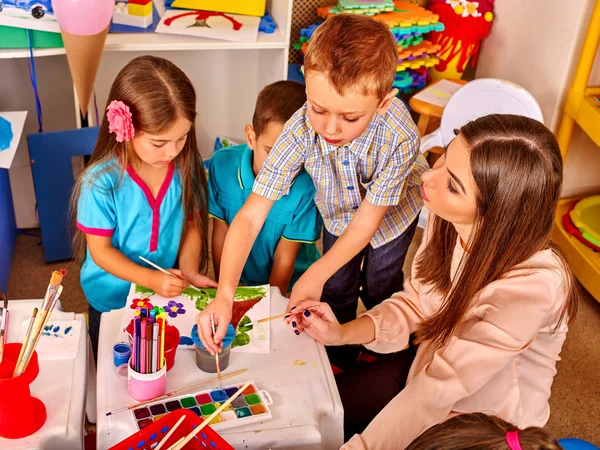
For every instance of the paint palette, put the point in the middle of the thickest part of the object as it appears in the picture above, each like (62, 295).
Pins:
(250, 406)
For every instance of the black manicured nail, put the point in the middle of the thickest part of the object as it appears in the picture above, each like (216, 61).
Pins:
(293, 307)
(306, 312)
(297, 332)
(294, 324)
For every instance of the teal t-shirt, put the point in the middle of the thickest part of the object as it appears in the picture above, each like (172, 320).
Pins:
(139, 225)
(293, 217)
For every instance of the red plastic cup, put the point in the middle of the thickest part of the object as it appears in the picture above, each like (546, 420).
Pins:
(21, 414)
(172, 337)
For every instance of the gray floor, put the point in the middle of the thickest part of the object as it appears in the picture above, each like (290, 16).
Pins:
(575, 401)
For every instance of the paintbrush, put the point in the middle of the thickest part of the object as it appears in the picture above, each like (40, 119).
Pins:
(26, 338)
(206, 421)
(279, 316)
(178, 391)
(41, 318)
(212, 322)
(166, 438)
(157, 267)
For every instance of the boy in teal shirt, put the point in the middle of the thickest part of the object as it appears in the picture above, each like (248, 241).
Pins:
(285, 247)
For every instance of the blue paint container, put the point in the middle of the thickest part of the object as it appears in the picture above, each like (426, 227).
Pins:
(121, 353)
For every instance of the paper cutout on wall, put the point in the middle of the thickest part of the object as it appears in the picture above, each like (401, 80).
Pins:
(11, 128)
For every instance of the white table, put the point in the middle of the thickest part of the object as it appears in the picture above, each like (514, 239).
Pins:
(60, 385)
(307, 410)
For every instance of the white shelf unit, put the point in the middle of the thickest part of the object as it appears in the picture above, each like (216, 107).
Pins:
(227, 76)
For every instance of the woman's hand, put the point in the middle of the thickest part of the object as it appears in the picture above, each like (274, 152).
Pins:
(320, 323)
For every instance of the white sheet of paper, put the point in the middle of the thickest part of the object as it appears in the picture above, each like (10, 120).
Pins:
(213, 27)
(17, 122)
(438, 94)
(260, 335)
(22, 18)
(60, 339)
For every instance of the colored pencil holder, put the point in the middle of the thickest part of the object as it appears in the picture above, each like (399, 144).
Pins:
(172, 338)
(207, 362)
(20, 414)
(146, 386)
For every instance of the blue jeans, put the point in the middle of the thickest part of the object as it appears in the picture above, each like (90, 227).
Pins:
(94, 326)
(379, 277)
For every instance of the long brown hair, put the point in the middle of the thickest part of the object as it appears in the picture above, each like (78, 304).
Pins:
(157, 93)
(517, 167)
(479, 431)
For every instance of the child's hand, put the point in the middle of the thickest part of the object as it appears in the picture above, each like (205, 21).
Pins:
(199, 280)
(166, 285)
(221, 311)
(320, 324)
(307, 287)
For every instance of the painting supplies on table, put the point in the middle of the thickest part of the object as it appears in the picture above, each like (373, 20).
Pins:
(250, 406)
(279, 316)
(210, 419)
(173, 393)
(166, 272)
(212, 324)
(147, 355)
(39, 322)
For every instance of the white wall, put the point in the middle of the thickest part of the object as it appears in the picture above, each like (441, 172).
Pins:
(536, 44)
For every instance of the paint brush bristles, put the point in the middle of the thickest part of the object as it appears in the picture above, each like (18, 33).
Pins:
(172, 393)
(279, 316)
(212, 322)
(206, 421)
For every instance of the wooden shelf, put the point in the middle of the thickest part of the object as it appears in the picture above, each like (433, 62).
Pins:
(146, 42)
(585, 110)
(584, 261)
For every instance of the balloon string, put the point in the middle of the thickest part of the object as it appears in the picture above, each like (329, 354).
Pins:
(33, 79)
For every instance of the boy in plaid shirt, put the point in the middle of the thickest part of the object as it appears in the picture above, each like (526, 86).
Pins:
(361, 148)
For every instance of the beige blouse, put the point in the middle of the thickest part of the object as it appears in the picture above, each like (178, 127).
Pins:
(500, 361)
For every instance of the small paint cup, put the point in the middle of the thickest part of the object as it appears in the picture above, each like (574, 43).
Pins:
(121, 353)
(146, 386)
(207, 362)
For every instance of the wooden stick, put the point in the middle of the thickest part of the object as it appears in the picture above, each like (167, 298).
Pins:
(206, 421)
(279, 316)
(52, 303)
(166, 272)
(26, 338)
(166, 438)
(172, 447)
(212, 321)
(170, 394)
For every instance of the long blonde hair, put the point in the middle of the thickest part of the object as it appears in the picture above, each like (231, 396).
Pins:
(157, 93)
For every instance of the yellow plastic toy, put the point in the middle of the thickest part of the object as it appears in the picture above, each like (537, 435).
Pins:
(586, 217)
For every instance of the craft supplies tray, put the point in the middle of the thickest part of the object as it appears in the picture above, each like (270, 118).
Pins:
(250, 407)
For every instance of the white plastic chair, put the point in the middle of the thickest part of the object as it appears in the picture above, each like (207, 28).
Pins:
(476, 99)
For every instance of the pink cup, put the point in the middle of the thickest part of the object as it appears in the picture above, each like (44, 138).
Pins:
(146, 386)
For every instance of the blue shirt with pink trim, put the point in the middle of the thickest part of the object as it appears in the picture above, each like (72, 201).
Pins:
(119, 204)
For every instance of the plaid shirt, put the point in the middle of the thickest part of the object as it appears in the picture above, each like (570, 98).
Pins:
(382, 166)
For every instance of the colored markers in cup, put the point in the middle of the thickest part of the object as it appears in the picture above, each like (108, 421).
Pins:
(148, 340)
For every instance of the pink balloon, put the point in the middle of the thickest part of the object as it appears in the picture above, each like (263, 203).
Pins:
(83, 17)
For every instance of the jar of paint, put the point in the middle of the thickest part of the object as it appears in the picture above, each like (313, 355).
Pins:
(121, 353)
(207, 362)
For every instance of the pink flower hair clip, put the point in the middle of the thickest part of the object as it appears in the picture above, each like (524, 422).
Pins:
(119, 121)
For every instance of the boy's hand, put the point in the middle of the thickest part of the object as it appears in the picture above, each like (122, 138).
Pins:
(220, 308)
(166, 285)
(199, 280)
(308, 287)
